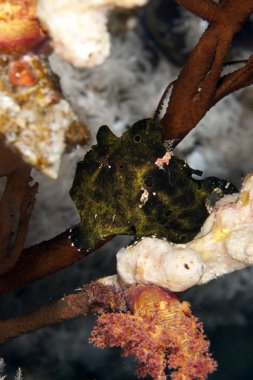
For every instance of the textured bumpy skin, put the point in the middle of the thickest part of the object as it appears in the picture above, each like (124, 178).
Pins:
(120, 189)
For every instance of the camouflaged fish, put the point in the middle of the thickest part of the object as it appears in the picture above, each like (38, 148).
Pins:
(133, 185)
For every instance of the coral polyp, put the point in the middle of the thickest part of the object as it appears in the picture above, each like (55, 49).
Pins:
(160, 332)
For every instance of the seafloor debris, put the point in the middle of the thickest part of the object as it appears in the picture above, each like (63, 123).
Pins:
(20, 30)
(224, 244)
(86, 42)
(122, 188)
(34, 117)
(160, 332)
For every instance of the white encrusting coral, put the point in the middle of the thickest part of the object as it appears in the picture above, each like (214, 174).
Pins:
(154, 261)
(224, 244)
(78, 28)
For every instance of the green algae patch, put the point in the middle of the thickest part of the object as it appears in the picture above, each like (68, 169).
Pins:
(122, 188)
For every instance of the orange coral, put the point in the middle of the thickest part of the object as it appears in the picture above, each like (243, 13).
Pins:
(20, 30)
(160, 332)
(20, 73)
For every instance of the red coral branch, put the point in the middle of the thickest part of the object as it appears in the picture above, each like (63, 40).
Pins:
(69, 307)
(234, 81)
(45, 258)
(206, 9)
(93, 297)
(9, 161)
(16, 206)
(15, 211)
(194, 91)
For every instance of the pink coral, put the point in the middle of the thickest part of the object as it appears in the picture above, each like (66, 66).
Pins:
(160, 332)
